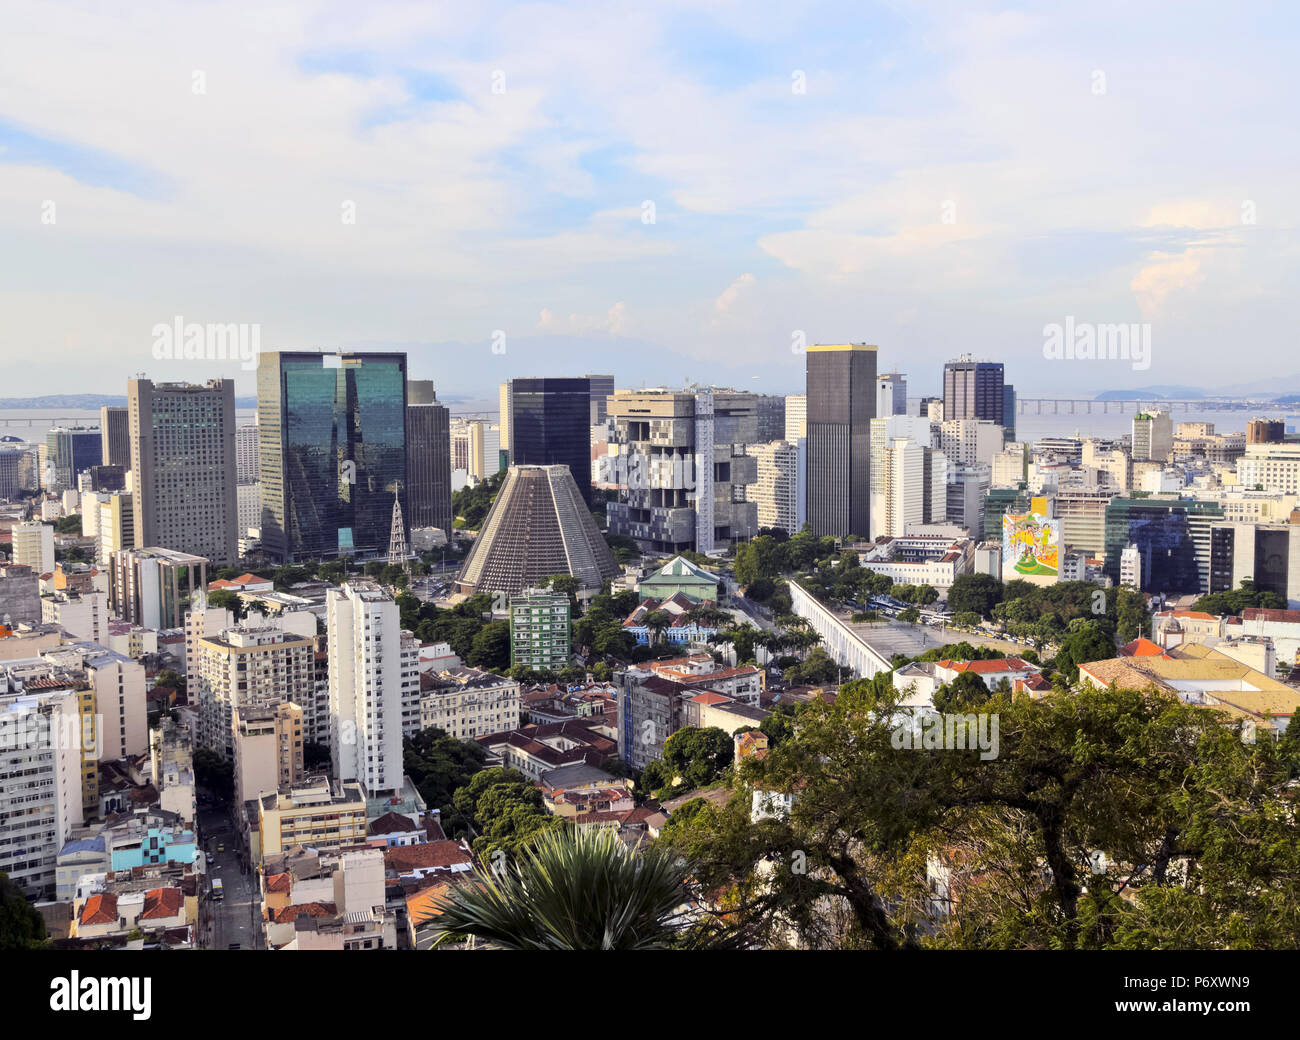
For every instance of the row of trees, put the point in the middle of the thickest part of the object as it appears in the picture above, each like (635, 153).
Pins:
(1046, 612)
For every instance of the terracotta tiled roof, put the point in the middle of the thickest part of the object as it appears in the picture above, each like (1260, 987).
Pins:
(100, 908)
(279, 883)
(1141, 647)
(1000, 664)
(393, 823)
(161, 902)
(1265, 614)
(403, 859)
(289, 914)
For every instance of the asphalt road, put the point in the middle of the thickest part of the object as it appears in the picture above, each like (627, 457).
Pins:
(234, 918)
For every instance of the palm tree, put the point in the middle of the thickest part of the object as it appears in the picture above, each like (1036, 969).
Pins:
(574, 890)
(655, 622)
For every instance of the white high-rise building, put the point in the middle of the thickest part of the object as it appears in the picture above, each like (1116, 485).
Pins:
(908, 475)
(891, 394)
(969, 441)
(1153, 436)
(246, 454)
(1130, 566)
(259, 663)
(796, 417)
(33, 544)
(366, 673)
(40, 784)
(1269, 467)
(410, 684)
(779, 489)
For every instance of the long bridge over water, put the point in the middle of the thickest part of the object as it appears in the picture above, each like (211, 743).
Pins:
(1088, 406)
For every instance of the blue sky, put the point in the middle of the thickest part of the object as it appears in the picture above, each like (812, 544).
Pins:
(935, 178)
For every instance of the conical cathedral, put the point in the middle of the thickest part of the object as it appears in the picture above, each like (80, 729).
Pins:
(539, 526)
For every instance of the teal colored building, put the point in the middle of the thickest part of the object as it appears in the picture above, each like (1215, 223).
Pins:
(136, 845)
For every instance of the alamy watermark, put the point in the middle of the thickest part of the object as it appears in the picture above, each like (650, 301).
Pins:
(948, 731)
(189, 341)
(1085, 341)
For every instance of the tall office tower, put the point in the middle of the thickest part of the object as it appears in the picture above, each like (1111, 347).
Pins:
(116, 528)
(19, 469)
(1082, 513)
(1008, 412)
(1265, 431)
(841, 404)
(258, 663)
(503, 419)
(246, 447)
(777, 488)
(602, 388)
(681, 457)
(891, 394)
(365, 648)
(1267, 554)
(33, 544)
(968, 489)
(550, 425)
(20, 595)
(538, 526)
(475, 447)
(796, 418)
(420, 391)
(428, 464)
(908, 475)
(973, 390)
(40, 785)
(69, 451)
(771, 418)
(183, 464)
(1173, 537)
(1153, 436)
(970, 440)
(9, 467)
(115, 434)
(333, 447)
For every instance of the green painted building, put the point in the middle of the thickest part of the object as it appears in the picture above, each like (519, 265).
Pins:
(680, 575)
(539, 630)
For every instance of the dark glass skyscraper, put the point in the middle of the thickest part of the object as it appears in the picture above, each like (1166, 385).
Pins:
(332, 449)
(602, 388)
(1173, 537)
(550, 425)
(841, 405)
(973, 390)
(428, 460)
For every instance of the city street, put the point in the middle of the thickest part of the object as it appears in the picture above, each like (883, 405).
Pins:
(235, 916)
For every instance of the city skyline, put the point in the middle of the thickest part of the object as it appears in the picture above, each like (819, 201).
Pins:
(922, 196)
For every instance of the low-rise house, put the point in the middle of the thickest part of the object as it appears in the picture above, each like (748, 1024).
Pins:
(534, 750)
